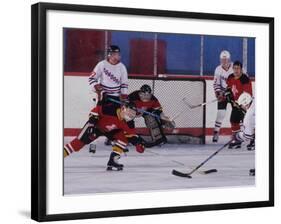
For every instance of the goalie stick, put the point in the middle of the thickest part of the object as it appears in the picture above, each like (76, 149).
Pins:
(188, 175)
(137, 109)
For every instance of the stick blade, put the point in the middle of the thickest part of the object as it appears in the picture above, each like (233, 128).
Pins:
(180, 174)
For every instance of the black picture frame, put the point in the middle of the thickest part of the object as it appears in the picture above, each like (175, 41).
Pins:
(39, 106)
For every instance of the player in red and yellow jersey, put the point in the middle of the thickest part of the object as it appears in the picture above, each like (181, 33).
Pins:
(237, 83)
(109, 120)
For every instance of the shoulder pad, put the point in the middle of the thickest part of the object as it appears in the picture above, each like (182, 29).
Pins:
(244, 79)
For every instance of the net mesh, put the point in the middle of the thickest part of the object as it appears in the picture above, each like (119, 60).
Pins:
(174, 93)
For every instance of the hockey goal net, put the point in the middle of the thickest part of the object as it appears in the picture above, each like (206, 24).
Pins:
(174, 93)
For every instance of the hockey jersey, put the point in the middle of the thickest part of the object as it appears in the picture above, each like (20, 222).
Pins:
(112, 78)
(240, 85)
(220, 77)
(110, 120)
(153, 103)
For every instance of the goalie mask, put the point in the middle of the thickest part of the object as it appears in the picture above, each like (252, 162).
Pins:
(245, 100)
(128, 112)
(145, 93)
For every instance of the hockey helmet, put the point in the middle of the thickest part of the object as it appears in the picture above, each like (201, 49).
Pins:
(145, 88)
(113, 49)
(129, 111)
(225, 54)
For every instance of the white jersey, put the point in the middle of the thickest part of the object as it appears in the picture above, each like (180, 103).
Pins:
(112, 78)
(248, 124)
(220, 77)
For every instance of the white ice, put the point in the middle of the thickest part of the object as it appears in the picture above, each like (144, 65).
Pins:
(85, 172)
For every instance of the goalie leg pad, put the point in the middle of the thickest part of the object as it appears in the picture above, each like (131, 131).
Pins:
(155, 129)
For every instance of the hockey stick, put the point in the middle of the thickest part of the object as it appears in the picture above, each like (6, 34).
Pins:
(182, 164)
(188, 175)
(198, 105)
(137, 109)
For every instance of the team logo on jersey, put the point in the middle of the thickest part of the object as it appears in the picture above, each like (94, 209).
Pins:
(111, 76)
(234, 90)
(111, 127)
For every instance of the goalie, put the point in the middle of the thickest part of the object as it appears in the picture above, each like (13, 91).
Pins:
(145, 100)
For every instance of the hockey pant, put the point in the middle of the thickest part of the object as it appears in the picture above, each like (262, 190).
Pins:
(236, 118)
(89, 134)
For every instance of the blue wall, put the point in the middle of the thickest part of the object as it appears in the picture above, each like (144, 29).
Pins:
(251, 56)
(213, 45)
(183, 51)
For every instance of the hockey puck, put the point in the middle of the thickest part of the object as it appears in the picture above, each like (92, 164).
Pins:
(210, 171)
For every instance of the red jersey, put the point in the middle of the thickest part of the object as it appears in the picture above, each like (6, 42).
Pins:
(110, 120)
(110, 123)
(153, 103)
(240, 85)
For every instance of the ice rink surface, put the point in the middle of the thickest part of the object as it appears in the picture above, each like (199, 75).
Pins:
(85, 172)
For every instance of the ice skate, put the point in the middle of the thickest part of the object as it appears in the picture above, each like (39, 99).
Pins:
(251, 145)
(113, 162)
(234, 144)
(216, 136)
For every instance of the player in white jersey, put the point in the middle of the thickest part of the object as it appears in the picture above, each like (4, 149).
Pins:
(109, 77)
(247, 103)
(221, 74)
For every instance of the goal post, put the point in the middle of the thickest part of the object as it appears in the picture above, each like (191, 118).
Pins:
(172, 91)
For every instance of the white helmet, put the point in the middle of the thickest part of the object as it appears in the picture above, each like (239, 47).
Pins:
(244, 99)
(225, 54)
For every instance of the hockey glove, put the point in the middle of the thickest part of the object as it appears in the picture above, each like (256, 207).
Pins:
(98, 87)
(93, 119)
(228, 95)
(140, 148)
(220, 96)
(136, 140)
(124, 98)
